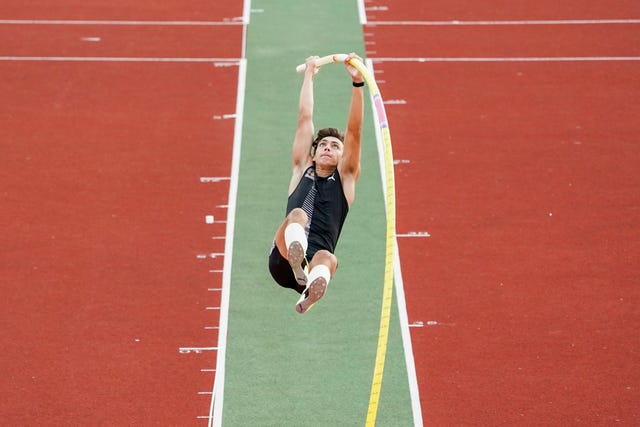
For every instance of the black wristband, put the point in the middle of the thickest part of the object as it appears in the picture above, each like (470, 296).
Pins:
(358, 84)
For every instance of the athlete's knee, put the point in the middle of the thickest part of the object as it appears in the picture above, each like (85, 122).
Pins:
(325, 257)
(298, 215)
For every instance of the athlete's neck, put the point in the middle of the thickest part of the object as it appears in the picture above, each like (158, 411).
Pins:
(324, 172)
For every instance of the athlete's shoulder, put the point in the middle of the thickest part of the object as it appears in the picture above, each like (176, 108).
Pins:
(310, 172)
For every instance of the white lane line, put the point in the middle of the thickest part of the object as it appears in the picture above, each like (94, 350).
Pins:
(362, 12)
(514, 59)
(214, 178)
(420, 234)
(226, 61)
(234, 21)
(246, 19)
(521, 22)
(399, 288)
(215, 410)
(186, 350)
(406, 340)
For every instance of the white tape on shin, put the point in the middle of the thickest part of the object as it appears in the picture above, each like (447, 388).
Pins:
(320, 270)
(294, 232)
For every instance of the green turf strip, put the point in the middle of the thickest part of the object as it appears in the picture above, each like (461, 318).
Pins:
(282, 368)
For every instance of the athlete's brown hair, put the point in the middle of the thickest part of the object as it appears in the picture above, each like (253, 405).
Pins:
(323, 133)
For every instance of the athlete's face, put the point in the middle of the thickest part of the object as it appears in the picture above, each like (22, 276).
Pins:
(329, 151)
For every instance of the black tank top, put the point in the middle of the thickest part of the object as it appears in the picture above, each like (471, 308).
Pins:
(326, 206)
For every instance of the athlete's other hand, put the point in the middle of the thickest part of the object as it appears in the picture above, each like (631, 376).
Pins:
(312, 68)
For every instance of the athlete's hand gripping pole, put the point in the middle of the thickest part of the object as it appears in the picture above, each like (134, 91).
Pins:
(366, 75)
(337, 57)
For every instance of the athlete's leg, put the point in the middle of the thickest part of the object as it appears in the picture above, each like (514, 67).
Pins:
(325, 258)
(282, 273)
(291, 242)
(321, 268)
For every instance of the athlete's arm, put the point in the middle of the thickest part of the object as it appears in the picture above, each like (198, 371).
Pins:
(350, 164)
(300, 155)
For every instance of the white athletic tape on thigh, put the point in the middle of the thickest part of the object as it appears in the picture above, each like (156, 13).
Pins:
(295, 233)
(319, 270)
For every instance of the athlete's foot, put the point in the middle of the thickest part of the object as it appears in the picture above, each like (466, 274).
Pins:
(296, 257)
(311, 295)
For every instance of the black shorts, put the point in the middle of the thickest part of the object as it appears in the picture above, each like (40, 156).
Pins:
(281, 271)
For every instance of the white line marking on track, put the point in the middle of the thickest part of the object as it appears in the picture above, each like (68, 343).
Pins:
(522, 22)
(185, 350)
(377, 8)
(415, 234)
(225, 61)
(362, 13)
(211, 255)
(214, 178)
(406, 340)
(217, 400)
(515, 59)
(246, 19)
(224, 116)
(395, 102)
(116, 22)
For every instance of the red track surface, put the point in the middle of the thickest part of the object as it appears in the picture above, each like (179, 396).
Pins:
(121, 41)
(167, 10)
(463, 10)
(94, 177)
(104, 206)
(505, 41)
(525, 175)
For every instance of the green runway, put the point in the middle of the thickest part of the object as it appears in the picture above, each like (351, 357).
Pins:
(282, 368)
